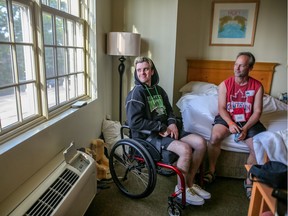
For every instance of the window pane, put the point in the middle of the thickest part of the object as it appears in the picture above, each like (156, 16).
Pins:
(28, 97)
(25, 62)
(64, 5)
(71, 61)
(22, 23)
(53, 3)
(80, 84)
(44, 2)
(62, 90)
(80, 60)
(61, 61)
(8, 111)
(70, 32)
(6, 72)
(79, 34)
(51, 94)
(50, 83)
(47, 29)
(49, 62)
(75, 8)
(72, 86)
(60, 31)
(4, 27)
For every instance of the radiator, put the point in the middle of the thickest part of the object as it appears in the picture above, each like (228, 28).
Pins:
(69, 190)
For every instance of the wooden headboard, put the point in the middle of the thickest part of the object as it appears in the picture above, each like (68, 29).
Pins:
(214, 71)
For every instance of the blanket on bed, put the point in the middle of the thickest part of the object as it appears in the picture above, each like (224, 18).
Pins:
(274, 144)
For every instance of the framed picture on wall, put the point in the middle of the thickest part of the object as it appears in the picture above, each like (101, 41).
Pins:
(233, 24)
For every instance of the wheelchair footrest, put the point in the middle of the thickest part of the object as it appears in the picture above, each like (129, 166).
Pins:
(165, 172)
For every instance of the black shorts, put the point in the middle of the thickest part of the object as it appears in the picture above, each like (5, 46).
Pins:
(164, 142)
(254, 130)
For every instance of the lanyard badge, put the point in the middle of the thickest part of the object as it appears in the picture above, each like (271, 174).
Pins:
(239, 114)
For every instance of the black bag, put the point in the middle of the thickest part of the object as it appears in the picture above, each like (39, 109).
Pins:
(272, 173)
(281, 197)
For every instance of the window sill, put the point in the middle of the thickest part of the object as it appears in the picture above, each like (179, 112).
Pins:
(11, 143)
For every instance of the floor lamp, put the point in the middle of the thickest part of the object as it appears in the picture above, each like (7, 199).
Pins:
(122, 44)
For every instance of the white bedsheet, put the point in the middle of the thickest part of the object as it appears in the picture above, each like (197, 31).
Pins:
(273, 143)
(198, 111)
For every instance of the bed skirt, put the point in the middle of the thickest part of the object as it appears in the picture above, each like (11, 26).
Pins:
(231, 164)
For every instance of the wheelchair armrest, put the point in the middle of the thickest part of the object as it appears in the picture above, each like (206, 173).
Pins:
(125, 126)
(148, 132)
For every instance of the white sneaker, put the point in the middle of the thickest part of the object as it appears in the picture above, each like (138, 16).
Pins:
(202, 193)
(191, 197)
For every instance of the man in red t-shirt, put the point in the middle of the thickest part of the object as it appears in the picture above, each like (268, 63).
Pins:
(240, 108)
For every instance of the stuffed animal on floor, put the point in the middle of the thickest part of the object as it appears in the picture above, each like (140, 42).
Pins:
(102, 162)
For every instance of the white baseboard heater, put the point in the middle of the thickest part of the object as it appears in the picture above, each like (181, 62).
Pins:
(69, 190)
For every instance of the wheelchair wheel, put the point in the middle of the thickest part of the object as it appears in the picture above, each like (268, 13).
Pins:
(174, 210)
(132, 168)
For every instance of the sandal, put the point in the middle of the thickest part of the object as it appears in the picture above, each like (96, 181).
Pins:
(209, 177)
(248, 188)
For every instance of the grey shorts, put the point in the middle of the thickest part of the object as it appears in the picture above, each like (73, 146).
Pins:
(254, 130)
(164, 142)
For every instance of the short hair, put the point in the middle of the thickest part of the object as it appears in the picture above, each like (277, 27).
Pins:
(141, 59)
(251, 58)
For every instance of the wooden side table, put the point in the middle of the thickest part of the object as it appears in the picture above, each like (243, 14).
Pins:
(261, 198)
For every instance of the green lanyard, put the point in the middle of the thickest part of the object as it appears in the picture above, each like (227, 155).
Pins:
(151, 94)
(158, 104)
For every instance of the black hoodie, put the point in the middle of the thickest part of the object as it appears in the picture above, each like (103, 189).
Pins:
(138, 111)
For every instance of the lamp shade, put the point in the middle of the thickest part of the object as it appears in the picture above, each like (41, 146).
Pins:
(123, 44)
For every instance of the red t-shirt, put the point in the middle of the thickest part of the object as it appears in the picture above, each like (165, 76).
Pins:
(240, 99)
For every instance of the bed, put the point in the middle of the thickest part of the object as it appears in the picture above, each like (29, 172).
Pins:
(199, 101)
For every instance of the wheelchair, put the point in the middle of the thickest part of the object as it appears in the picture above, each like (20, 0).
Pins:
(133, 165)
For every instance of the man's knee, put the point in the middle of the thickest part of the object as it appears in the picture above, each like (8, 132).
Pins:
(187, 152)
(181, 148)
(215, 140)
(203, 146)
(219, 132)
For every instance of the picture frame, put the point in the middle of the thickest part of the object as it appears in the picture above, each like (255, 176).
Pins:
(233, 23)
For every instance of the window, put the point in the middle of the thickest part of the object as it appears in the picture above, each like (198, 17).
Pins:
(63, 48)
(18, 89)
(23, 100)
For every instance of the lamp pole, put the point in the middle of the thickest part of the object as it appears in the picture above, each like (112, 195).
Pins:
(121, 70)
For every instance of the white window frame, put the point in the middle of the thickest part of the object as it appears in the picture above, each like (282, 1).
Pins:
(55, 14)
(44, 113)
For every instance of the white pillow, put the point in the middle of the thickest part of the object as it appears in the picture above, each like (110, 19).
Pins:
(111, 133)
(197, 87)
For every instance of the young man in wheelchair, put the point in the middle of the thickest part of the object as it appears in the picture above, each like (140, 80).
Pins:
(148, 108)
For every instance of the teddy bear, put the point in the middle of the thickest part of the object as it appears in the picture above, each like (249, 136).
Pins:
(102, 162)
